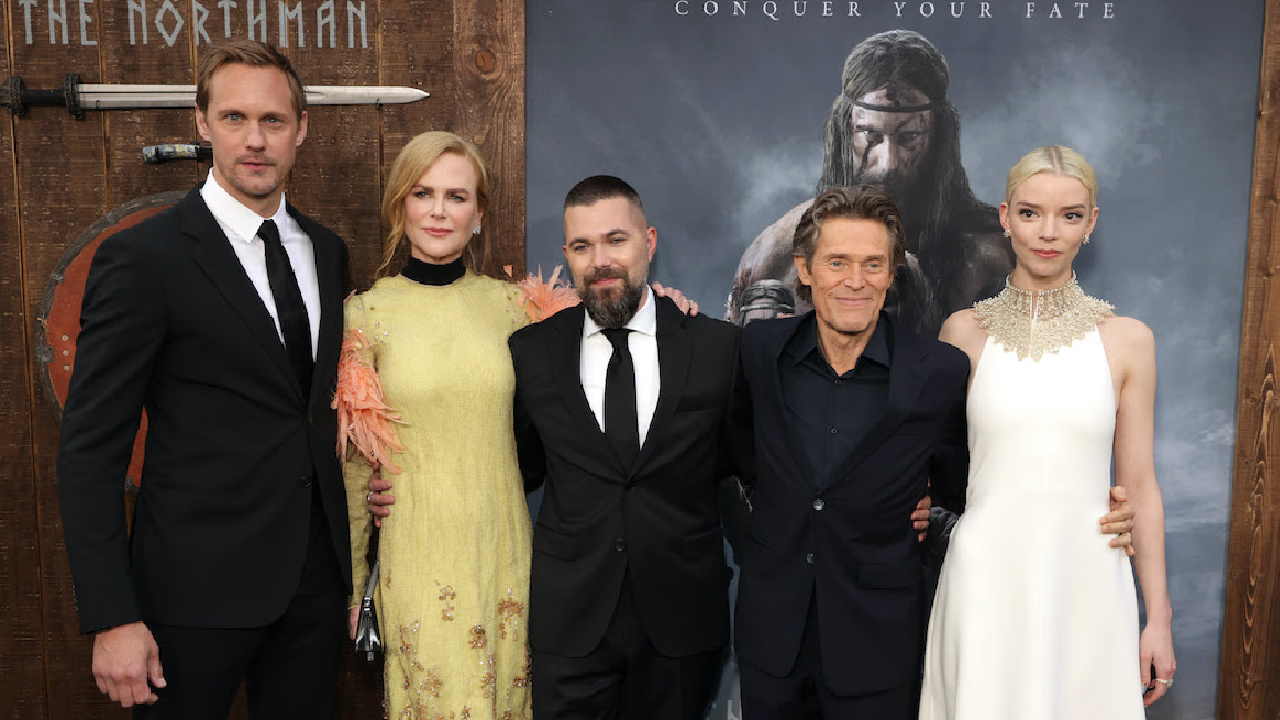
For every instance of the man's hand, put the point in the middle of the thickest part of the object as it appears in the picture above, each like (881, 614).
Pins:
(687, 306)
(380, 500)
(1119, 521)
(920, 518)
(125, 659)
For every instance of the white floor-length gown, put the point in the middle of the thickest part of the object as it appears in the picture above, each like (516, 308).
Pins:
(1036, 616)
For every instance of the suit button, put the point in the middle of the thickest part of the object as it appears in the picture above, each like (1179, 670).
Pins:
(809, 558)
(304, 481)
(818, 504)
(631, 486)
(620, 545)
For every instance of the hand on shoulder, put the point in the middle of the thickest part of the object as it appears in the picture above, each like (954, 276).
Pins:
(963, 331)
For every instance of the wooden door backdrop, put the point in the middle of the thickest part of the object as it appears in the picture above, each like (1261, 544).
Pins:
(58, 176)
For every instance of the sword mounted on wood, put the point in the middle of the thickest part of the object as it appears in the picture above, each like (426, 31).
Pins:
(77, 97)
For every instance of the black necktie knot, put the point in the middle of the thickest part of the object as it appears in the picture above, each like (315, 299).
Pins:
(617, 337)
(269, 233)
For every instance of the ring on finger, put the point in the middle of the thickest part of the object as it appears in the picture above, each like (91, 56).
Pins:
(1167, 682)
(369, 498)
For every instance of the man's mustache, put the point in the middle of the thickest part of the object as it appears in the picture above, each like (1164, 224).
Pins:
(607, 273)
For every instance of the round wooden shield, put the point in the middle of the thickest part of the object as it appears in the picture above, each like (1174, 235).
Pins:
(59, 322)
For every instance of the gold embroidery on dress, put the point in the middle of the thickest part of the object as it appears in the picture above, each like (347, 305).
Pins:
(488, 682)
(510, 609)
(1034, 322)
(526, 672)
(433, 682)
(478, 640)
(447, 596)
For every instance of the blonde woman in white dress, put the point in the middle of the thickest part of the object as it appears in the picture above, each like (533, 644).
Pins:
(1046, 627)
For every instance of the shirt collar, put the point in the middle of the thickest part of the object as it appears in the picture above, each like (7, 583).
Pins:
(232, 213)
(805, 342)
(645, 321)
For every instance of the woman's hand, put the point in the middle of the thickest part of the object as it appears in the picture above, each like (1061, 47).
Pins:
(353, 617)
(1155, 648)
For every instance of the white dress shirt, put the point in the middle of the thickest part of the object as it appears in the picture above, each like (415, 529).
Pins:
(240, 225)
(643, 343)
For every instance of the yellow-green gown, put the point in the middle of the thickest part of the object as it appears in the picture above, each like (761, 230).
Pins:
(455, 552)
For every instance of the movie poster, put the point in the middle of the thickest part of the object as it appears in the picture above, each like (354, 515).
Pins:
(727, 115)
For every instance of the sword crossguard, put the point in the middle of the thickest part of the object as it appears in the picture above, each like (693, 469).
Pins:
(17, 98)
(71, 94)
(11, 95)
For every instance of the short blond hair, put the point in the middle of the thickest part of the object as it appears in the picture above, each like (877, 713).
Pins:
(1054, 160)
(421, 153)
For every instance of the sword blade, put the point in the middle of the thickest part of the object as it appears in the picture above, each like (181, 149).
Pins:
(117, 97)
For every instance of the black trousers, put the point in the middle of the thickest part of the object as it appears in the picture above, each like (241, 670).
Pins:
(803, 694)
(625, 677)
(290, 667)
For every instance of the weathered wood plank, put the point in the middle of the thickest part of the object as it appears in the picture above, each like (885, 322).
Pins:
(61, 190)
(489, 73)
(417, 50)
(1249, 677)
(22, 634)
(153, 62)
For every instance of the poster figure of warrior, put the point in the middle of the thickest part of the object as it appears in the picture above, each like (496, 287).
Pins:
(892, 125)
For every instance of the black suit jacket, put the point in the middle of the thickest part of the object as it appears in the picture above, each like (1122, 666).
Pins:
(171, 323)
(658, 520)
(851, 542)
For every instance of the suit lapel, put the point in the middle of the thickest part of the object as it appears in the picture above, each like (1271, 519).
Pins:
(790, 438)
(673, 370)
(906, 382)
(565, 357)
(329, 279)
(218, 261)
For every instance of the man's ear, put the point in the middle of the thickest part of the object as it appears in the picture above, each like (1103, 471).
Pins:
(802, 269)
(302, 129)
(202, 124)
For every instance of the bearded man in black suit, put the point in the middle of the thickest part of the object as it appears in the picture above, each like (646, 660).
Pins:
(627, 396)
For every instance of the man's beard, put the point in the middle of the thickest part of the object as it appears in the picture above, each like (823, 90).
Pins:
(906, 190)
(617, 311)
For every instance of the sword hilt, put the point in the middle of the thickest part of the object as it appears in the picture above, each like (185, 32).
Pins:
(17, 98)
(176, 151)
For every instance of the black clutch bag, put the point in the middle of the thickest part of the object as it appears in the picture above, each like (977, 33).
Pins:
(368, 640)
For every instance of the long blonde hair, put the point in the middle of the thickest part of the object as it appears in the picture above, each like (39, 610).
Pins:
(420, 154)
(1055, 160)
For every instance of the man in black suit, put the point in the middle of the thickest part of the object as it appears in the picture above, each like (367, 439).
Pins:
(222, 318)
(850, 420)
(627, 395)
(855, 418)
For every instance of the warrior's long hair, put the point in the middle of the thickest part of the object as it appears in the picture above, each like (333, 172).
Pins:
(904, 58)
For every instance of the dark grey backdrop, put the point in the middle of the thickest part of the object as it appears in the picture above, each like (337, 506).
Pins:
(717, 120)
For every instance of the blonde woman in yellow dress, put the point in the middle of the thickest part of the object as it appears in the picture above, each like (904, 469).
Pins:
(453, 587)
(1047, 627)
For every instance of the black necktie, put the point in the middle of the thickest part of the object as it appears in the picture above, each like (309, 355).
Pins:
(291, 311)
(620, 424)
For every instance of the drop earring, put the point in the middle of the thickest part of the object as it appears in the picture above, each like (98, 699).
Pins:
(1086, 238)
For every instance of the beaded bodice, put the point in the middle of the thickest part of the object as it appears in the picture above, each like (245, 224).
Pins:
(1034, 322)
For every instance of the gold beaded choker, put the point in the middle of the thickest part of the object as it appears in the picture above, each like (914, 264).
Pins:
(1034, 322)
